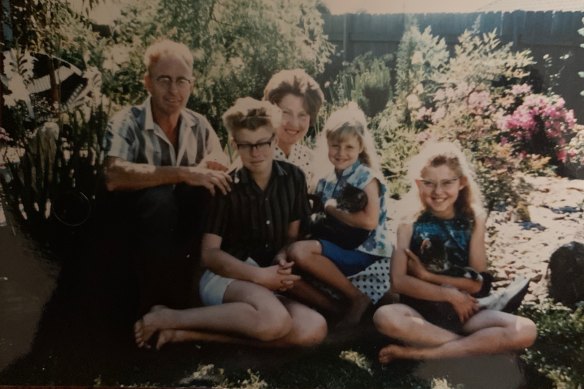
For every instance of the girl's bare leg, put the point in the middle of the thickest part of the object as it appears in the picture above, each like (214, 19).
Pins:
(311, 295)
(307, 256)
(490, 332)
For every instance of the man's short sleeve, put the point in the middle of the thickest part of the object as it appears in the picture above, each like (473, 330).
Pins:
(120, 137)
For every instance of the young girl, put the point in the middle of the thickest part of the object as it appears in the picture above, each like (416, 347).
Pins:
(438, 317)
(352, 154)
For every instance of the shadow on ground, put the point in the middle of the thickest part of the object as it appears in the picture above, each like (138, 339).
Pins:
(84, 337)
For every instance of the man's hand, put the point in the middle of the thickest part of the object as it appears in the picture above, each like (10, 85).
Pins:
(464, 304)
(214, 165)
(275, 278)
(415, 267)
(210, 179)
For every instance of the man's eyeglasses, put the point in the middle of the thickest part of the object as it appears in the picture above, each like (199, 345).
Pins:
(444, 184)
(260, 146)
(181, 83)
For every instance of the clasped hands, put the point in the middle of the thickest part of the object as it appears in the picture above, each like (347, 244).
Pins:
(279, 275)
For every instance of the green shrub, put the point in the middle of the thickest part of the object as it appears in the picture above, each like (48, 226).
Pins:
(366, 81)
(458, 97)
(55, 174)
(237, 45)
(558, 352)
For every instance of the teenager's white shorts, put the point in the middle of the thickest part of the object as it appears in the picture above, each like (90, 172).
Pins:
(212, 286)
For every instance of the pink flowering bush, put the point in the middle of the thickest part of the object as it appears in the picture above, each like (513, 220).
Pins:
(541, 125)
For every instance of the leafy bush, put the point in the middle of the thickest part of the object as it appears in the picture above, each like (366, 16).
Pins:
(477, 96)
(366, 81)
(56, 169)
(558, 352)
(52, 150)
(541, 125)
(237, 45)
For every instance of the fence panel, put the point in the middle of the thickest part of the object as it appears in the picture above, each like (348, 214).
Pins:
(553, 33)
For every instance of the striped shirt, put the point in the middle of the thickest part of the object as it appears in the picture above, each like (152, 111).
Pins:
(254, 223)
(133, 136)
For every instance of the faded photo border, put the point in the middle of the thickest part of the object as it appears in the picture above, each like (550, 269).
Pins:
(67, 320)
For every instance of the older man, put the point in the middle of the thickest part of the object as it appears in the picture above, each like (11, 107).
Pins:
(163, 160)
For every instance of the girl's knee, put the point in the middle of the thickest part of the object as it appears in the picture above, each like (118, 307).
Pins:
(527, 332)
(385, 317)
(300, 250)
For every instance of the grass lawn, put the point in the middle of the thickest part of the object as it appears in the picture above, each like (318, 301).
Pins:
(84, 337)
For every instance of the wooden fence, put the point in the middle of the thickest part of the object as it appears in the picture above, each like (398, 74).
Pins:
(552, 33)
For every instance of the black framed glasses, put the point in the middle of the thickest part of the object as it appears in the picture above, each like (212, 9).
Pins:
(259, 146)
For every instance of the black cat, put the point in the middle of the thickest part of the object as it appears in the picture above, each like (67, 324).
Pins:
(323, 226)
(435, 256)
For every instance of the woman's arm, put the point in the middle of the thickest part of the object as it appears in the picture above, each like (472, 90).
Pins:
(368, 218)
(226, 265)
(403, 283)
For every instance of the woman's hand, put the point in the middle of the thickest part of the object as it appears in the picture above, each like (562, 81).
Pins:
(415, 267)
(464, 304)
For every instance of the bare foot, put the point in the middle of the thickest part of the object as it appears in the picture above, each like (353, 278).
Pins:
(355, 312)
(147, 326)
(164, 337)
(388, 354)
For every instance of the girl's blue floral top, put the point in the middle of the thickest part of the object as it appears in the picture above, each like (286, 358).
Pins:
(359, 176)
(446, 241)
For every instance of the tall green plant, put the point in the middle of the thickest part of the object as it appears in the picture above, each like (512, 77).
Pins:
(460, 97)
(366, 81)
(238, 45)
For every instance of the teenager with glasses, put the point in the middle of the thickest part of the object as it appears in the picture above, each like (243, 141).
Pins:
(162, 163)
(244, 250)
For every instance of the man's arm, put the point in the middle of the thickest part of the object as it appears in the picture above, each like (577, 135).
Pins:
(123, 175)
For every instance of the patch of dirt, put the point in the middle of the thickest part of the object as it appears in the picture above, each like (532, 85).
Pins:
(519, 246)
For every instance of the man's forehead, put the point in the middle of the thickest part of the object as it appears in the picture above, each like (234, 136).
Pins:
(171, 64)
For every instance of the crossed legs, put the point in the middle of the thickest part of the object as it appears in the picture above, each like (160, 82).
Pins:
(487, 332)
(250, 314)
